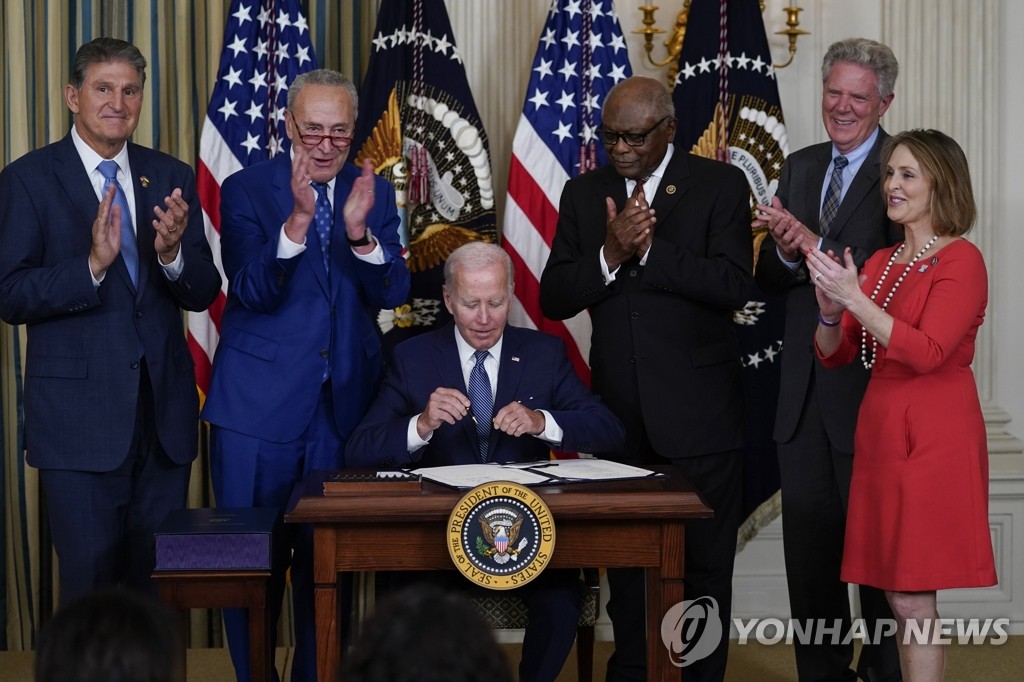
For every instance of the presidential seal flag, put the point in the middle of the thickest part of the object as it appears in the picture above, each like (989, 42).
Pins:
(580, 56)
(419, 126)
(266, 45)
(728, 107)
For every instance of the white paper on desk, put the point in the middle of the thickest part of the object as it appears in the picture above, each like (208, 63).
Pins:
(588, 469)
(472, 475)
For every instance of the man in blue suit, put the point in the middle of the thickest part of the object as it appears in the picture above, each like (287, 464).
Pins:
(423, 415)
(311, 250)
(102, 247)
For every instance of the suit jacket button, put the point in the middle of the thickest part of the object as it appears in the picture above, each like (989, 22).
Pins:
(134, 364)
(323, 353)
(634, 315)
(632, 272)
(138, 313)
(632, 359)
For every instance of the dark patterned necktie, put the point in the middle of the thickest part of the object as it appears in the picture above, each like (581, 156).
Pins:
(481, 402)
(324, 221)
(830, 206)
(129, 246)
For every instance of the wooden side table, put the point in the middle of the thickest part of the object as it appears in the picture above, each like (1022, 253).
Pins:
(183, 590)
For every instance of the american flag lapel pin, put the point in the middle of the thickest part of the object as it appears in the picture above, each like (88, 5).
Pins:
(515, 358)
(144, 181)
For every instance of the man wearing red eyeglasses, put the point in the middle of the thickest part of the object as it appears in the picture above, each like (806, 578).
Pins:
(311, 249)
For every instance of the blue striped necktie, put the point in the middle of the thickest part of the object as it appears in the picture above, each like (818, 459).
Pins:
(129, 246)
(481, 402)
(833, 194)
(324, 221)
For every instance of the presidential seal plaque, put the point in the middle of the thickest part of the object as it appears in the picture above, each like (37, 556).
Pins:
(501, 535)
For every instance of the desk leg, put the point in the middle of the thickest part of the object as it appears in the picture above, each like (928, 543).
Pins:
(325, 578)
(664, 590)
(260, 654)
(182, 617)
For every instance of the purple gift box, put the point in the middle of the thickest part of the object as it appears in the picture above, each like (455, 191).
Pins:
(216, 539)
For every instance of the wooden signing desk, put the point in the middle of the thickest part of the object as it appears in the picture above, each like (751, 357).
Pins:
(617, 524)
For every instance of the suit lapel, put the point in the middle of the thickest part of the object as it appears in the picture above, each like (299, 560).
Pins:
(673, 185)
(145, 200)
(812, 179)
(510, 373)
(864, 183)
(510, 369)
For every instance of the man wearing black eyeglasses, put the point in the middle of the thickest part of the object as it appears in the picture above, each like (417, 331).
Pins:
(311, 249)
(656, 245)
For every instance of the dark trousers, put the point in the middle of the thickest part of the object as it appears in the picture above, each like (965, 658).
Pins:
(710, 555)
(103, 524)
(815, 478)
(249, 472)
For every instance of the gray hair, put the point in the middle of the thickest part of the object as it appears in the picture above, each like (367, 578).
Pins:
(870, 54)
(103, 50)
(476, 256)
(658, 97)
(323, 77)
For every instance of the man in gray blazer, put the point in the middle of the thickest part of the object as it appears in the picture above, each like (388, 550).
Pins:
(102, 247)
(828, 197)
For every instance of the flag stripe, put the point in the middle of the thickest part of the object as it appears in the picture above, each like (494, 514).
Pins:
(581, 53)
(575, 335)
(266, 45)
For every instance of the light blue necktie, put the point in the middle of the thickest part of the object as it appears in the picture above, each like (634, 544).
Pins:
(833, 194)
(324, 220)
(481, 402)
(129, 246)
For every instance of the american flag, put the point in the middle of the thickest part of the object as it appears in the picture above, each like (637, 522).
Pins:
(266, 45)
(581, 55)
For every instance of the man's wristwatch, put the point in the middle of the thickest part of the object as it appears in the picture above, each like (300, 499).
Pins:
(362, 241)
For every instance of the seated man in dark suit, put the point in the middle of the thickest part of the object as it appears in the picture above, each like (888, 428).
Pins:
(527, 400)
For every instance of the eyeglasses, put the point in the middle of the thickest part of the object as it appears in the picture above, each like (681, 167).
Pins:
(314, 140)
(610, 138)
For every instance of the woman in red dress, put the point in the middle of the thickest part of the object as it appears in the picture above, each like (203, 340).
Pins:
(918, 510)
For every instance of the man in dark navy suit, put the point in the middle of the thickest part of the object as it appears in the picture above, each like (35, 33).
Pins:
(103, 246)
(311, 248)
(425, 414)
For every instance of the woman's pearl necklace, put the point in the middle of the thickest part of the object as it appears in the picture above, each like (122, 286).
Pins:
(868, 364)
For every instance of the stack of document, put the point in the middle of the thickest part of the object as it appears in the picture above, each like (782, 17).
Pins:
(546, 472)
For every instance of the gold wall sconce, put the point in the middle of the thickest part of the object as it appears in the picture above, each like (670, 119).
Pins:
(674, 43)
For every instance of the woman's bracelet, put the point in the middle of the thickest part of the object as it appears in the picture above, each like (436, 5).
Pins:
(828, 323)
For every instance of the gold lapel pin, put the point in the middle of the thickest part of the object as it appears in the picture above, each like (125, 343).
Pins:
(671, 189)
(144, 180)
